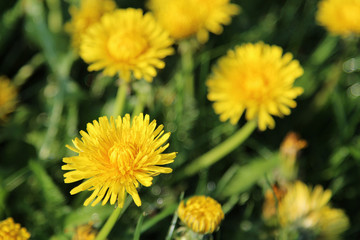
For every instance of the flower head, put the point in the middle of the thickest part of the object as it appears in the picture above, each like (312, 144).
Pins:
(116, 157)
(339, 17)
(10, 230)
(308, 209)
(85, 232)
(8, 95)
(126, 42)
(89, 12)
(184, 18)
(200, 213)
(257, 78)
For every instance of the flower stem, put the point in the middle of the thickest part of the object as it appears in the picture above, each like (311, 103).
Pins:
(173, 221)
(187, 67)
(116, 214)
(140, 104)
(109, 224)
(221, 150)
(120, 98)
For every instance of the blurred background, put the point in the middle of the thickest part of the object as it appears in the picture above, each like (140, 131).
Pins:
(57, 97)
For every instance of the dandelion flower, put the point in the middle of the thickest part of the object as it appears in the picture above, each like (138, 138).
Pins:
(116, 157)
(85, 232)
(339, 17)
(200, 213)
(257, 78)
(89, 12)
(185, 18)
(9, 230)
(126, 42)
(8, 95)
(308, 209)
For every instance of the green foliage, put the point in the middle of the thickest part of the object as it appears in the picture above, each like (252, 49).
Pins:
(58, 97)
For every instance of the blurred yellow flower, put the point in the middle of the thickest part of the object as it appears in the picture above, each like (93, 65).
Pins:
(308, 209)
(85, 232)
(113, 158)
(8, 95)
(89, 12)
(339, 17)
(257, 78)
(9, 230)
(184, 18)
(126, 42)
(200, 213)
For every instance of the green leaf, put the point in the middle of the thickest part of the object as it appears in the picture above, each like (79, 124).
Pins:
(84, 215)
(248, 175)
(168, 211)
(138, 227)
(51, 193)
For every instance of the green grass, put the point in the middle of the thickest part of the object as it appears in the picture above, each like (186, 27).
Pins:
(57, 97)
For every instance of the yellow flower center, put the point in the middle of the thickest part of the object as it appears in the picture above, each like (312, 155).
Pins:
(256, 90)
(127, 45)
(123, 155)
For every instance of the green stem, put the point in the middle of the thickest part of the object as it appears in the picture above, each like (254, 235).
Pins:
(109, 224)
(221, 150)
(187, 67)
(234, 199)
(139, 107)
(173, 221)
(116, 214)
(28, 69)
(120, 98)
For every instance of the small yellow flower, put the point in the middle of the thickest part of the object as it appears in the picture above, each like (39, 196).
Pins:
(89, 12)
(8, 95)
(257, 78)
(85, 232)
(200, 213)
(339, 17)
(307, 208)
(184, 18)
(113, 158)
(9, 230)
(126, 42)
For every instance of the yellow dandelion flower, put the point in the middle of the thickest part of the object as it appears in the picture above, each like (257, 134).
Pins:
(89, 12)
(8, 95)
(307, 208)
(257, 78)
(113, 158)
(200, 213)
(339, 17)
(126, 42)
(9, 230)
(193, 17)
(332, 224)
(85, 232)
